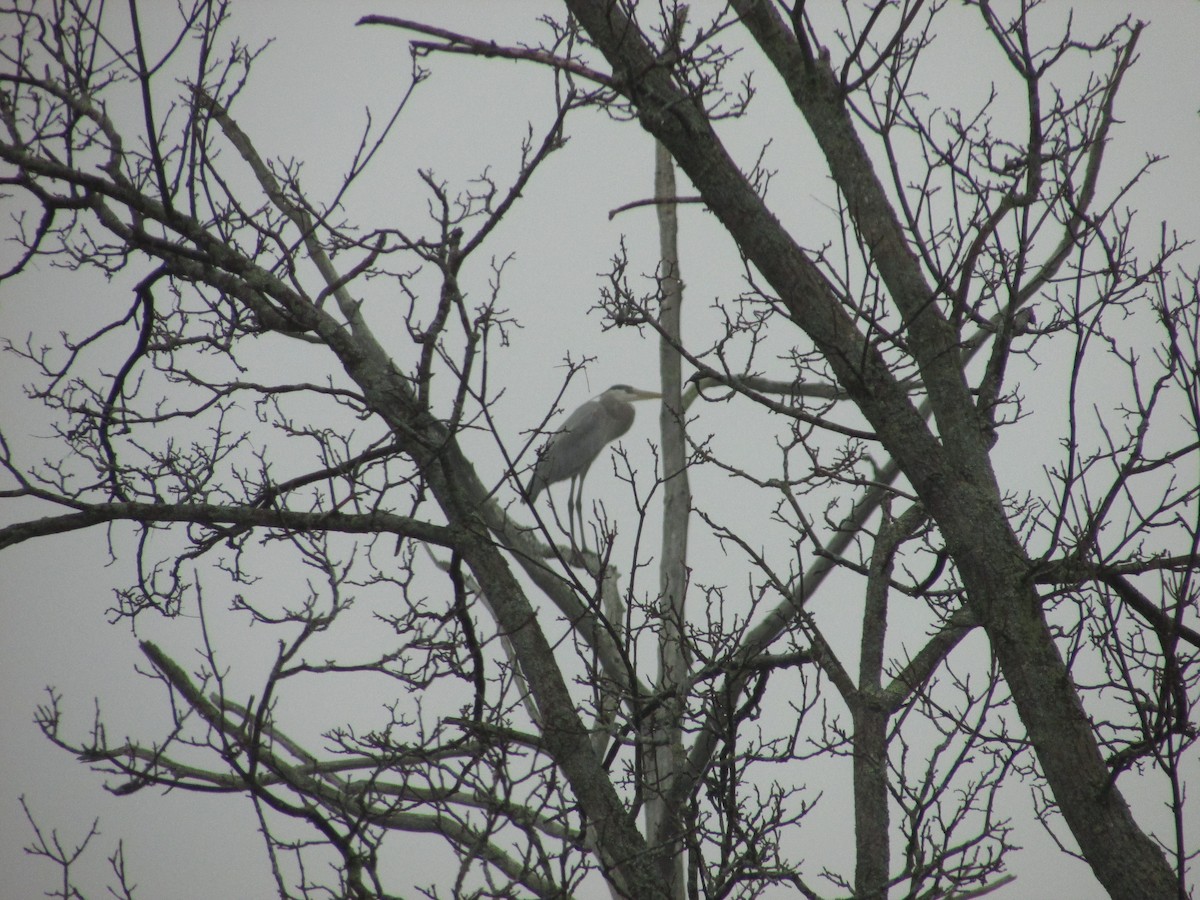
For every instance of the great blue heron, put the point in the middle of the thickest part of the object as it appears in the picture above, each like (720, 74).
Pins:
(572, 449)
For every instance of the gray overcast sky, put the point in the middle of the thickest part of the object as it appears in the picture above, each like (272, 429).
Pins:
(307, 100)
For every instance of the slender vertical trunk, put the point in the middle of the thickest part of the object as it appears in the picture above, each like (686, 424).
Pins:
(664, 753)
(871, 820)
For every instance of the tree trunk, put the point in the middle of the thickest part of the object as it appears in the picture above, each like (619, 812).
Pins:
(665, 754)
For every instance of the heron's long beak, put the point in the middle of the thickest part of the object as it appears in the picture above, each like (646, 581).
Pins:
(645, 395)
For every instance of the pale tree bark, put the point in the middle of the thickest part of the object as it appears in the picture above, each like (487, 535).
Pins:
(665, 756)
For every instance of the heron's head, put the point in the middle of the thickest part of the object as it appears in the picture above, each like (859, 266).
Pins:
(628, 394)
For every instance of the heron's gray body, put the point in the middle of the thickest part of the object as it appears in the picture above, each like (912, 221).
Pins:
(572, 449)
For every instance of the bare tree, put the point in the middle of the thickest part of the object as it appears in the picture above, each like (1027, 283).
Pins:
(550, 719)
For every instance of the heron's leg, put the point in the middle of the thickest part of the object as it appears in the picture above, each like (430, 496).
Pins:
(571, 511)
(579, 508)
